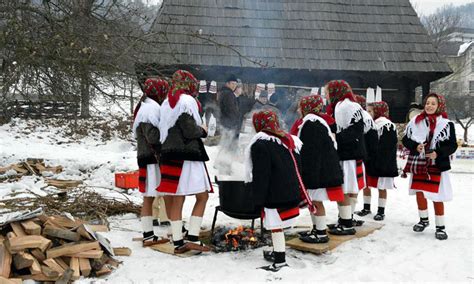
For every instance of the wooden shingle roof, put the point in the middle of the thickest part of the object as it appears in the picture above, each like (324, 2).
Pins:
(345, 35)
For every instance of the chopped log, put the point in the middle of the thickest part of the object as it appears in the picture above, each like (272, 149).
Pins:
(18, 229)
(83, 232)
(30, 168)
(85, 266)
(51, 263)
(23, 260)
(99, 228)
(43, 218)
(72, 248)
(103, 271)
(38, 277)
(62, 263)
(49, 272)
(35, 268)
(11, 235)
(5, 260)
(97, 264)
(88, 254)
(113, 262)
(4, 280)
(20, 243)
(123, 251)
(65, 222)
(74, 264)
(63, 184)
(19, 169)
(38, 254)
(66, 277)
(31, 228)
(61, 233)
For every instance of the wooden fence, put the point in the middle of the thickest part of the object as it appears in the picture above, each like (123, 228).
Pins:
(41, 109)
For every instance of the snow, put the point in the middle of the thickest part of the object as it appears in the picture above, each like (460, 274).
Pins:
(394, 253)
(464, 47)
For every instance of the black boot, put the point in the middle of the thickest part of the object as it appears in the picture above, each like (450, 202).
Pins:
(441, 233)
(365, 211)
(380, 214)
(278, 264)
(420, 226)
(343, 228)
(307, 233)
(316, 237)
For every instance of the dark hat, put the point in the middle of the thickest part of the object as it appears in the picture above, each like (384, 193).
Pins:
(231, 78)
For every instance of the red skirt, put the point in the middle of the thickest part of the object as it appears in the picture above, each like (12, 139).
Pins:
(170, 174)
(427, 182)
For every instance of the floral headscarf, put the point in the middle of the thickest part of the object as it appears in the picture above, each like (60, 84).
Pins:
(183, 82)
(156, 89)
(361, 101)
(311, 105)
(338, 90)
(267, 121)
(380, 109)
(432, 118)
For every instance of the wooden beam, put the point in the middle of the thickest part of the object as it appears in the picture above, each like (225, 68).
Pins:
(72, 248)
(31, 228)
(65, 222)
(103, 271)
(62, 263)
(123, 251)
(18, 229)
(49, 272)
(85, 266)
(23, 260)
(5, 260)
(83, 232)
(61, 233)
(38, 254)
(74, 264)
(99, 228)
(20, 243)
(51, 263)
(4, 280)
(35, 268)
(88, 254)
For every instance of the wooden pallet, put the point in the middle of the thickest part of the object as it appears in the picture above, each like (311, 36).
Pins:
(334, 241)
(168, 248)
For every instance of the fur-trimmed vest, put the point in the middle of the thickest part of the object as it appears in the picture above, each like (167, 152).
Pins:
(272, 173)
(443, 142)
(384, 161)
(319, 158)
(350, 131)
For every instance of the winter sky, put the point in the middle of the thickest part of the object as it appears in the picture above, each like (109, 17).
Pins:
(427, 7)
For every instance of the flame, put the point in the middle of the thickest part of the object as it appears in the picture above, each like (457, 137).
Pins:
(240, 236)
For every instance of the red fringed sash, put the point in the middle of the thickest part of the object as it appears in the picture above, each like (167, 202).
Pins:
(142, 179)
(427, 182)
(360, 174)
(170, 173)
(335, 193)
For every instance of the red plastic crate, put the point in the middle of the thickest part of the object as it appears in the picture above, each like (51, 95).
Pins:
(126, 180)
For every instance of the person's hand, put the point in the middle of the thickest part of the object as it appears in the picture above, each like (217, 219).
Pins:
(204, 127)
(420, 148)
(432, 155)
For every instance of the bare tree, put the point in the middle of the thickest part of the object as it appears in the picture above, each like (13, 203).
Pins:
(463, 110)
(441, 23)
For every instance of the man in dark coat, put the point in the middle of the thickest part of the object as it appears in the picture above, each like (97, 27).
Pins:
(229, 106)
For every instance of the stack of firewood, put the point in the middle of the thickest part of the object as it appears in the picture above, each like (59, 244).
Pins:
(55, 248)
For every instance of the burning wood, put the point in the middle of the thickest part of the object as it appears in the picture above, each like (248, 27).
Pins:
(236, 239)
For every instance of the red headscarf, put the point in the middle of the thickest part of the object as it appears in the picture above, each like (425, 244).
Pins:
(441, 110)
(267, 121)
(338, 90)
(155, 89)
(183, 82)
(314, 105)
(361, 101)
(380, 109)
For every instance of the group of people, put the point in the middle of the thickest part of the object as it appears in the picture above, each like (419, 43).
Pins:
(331, 153)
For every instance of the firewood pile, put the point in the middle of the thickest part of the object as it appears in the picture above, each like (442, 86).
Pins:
(36, 167)
(56, 248)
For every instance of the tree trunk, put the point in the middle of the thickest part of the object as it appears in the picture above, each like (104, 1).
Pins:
(85, 94)
(132, 103)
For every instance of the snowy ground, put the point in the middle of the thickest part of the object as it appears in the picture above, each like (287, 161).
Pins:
(394, 253)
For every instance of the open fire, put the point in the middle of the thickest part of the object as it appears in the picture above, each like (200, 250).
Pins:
(236, 239)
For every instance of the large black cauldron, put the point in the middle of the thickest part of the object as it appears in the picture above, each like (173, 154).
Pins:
(235, 198)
